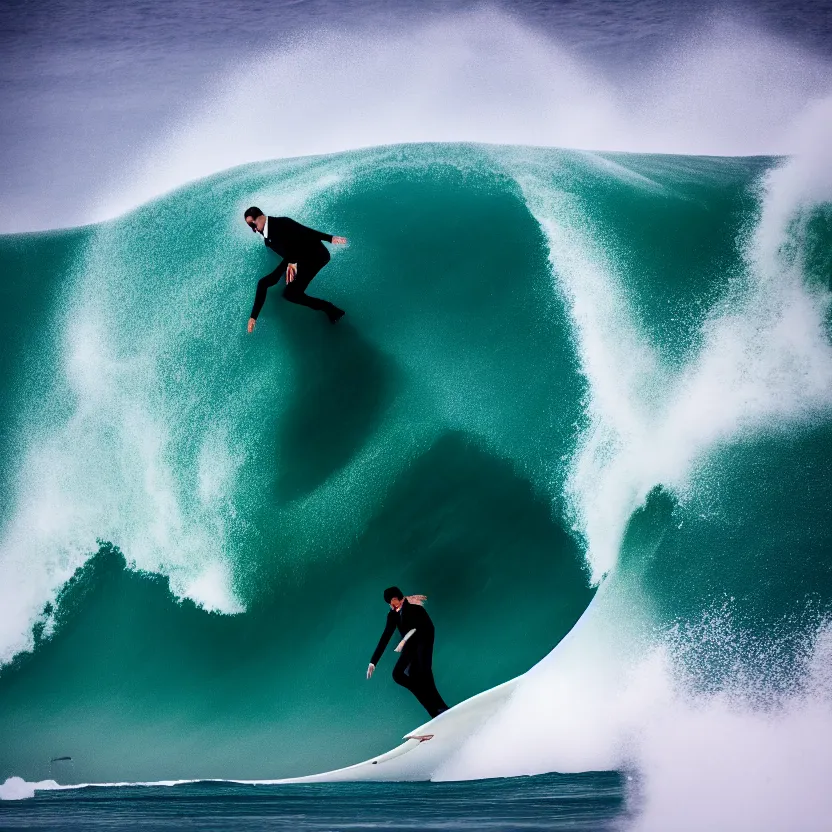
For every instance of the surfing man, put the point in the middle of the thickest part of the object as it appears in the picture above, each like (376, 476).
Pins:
(414, 669)
(304, 255)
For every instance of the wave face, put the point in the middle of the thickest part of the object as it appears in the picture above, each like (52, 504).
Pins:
(560, 370)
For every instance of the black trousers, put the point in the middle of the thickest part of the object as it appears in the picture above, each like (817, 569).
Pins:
(414, 671)
(310, 262)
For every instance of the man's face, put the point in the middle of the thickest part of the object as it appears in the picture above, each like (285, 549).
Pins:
(395, 604)
(256, 223)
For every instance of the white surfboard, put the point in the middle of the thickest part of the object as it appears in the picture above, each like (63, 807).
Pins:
(424, 749)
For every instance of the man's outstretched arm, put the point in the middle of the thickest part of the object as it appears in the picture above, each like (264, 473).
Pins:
(389, 627)
(301, 232)
(263, 287)
(329, 238)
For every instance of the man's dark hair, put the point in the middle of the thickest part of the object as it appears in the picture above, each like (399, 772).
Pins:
(254, 212)
(392, 592)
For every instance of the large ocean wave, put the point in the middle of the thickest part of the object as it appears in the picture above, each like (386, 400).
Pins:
(572, 386)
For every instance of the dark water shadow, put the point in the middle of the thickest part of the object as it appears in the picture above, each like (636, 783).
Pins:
(342, 385)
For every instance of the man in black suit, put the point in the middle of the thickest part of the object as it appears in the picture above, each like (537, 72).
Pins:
(304, 255)
(414, 669)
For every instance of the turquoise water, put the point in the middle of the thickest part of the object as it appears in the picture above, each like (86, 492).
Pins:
(558, 371)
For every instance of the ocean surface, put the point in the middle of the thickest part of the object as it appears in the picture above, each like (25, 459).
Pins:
(581, 399)
(592, 801)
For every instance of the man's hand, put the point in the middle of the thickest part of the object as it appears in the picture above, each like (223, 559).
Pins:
(291, 272)
(251, 323)
(370, 670)
(339, 241)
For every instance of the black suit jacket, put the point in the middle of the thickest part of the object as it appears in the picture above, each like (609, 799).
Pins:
(291, 241)
(408, 617)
